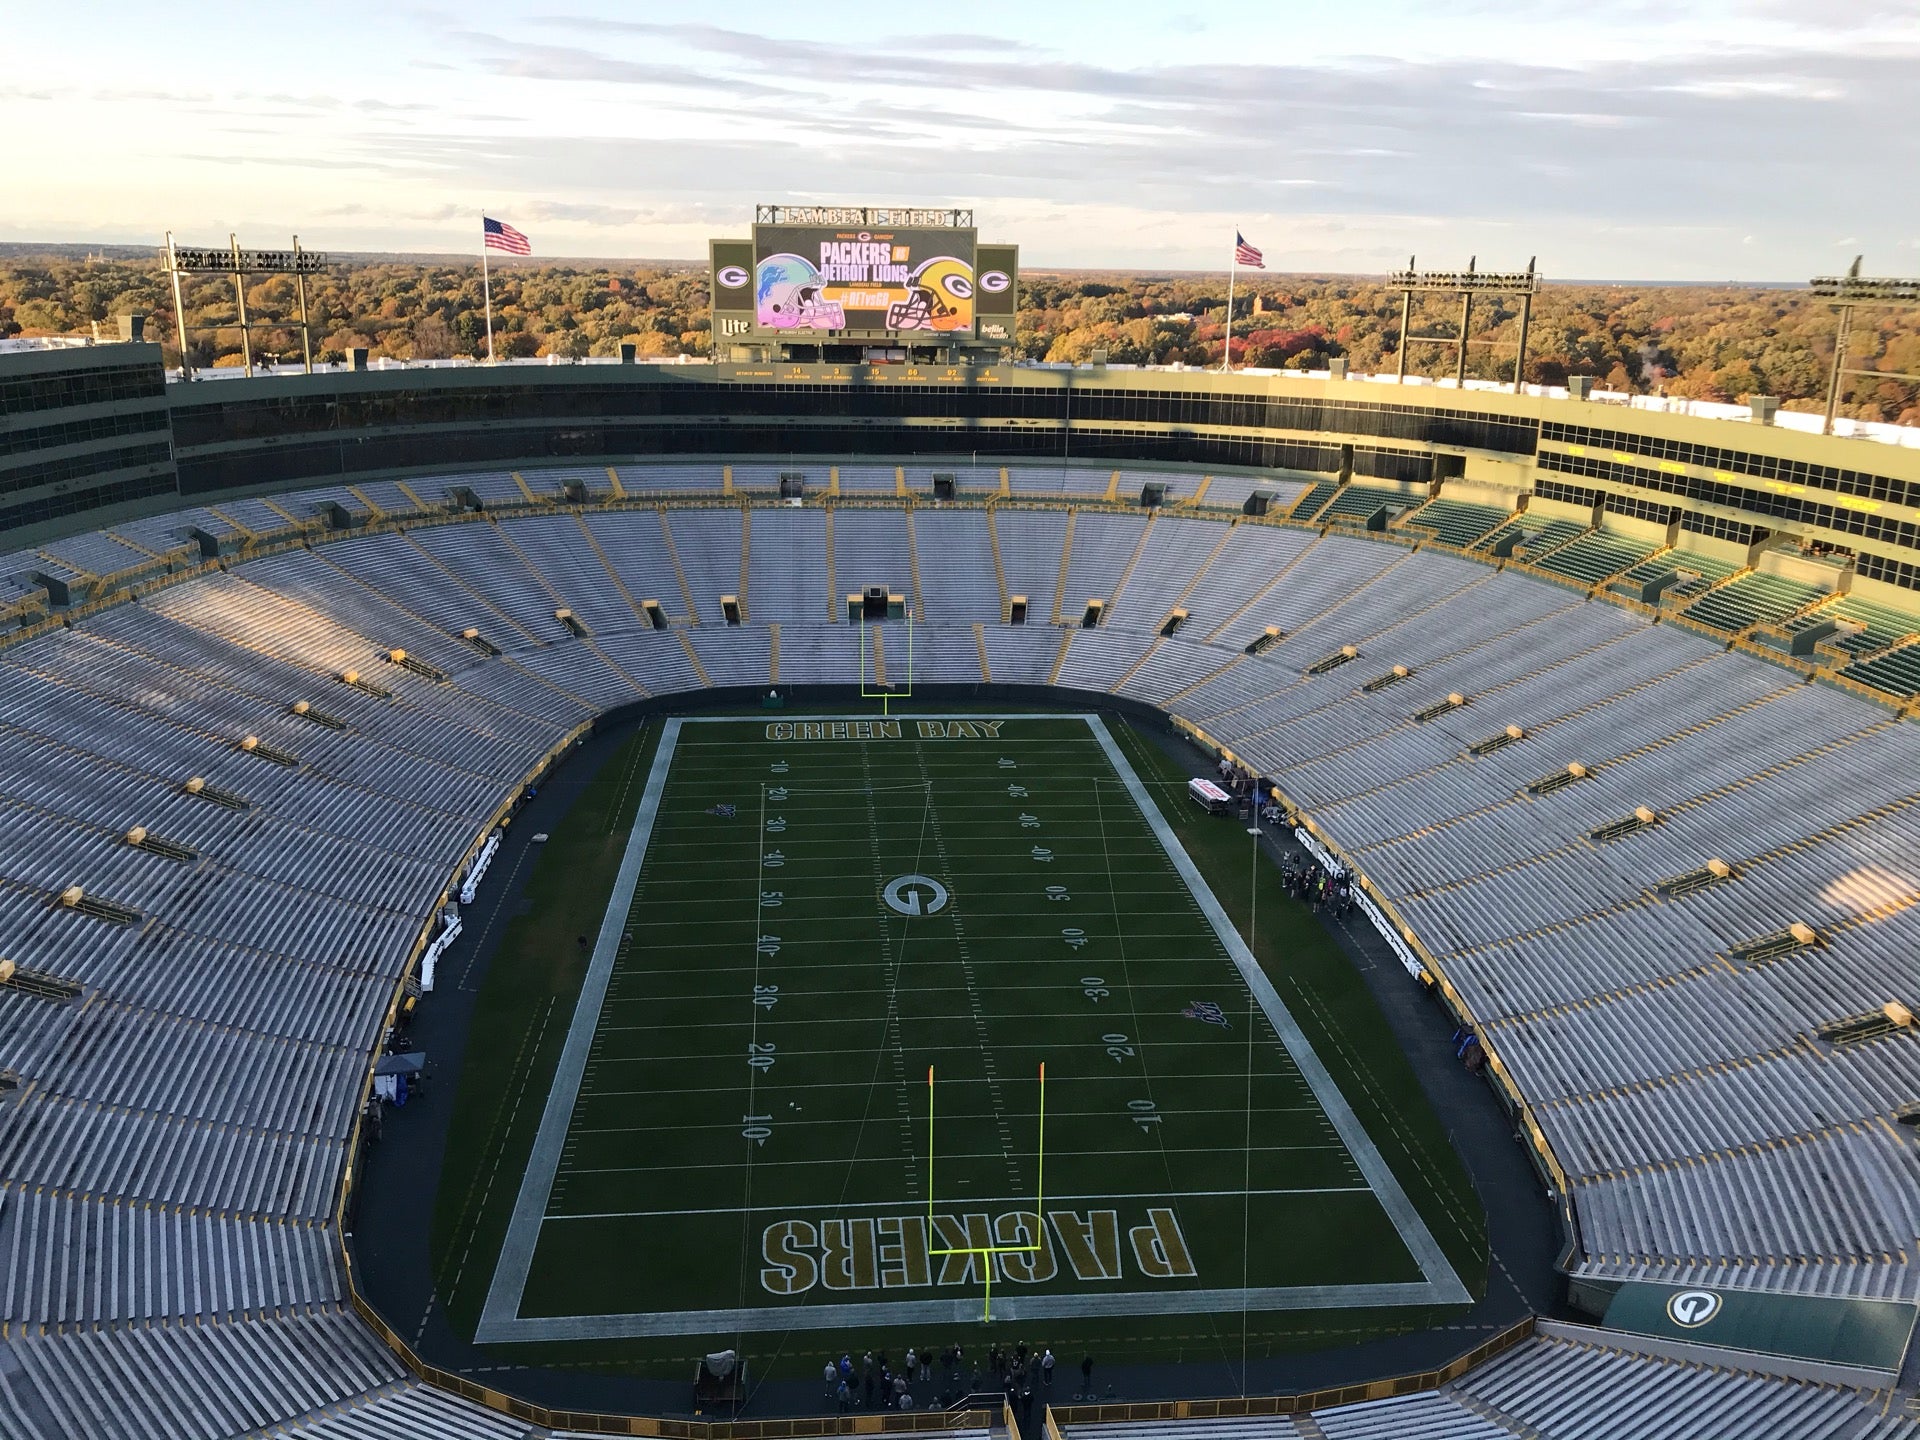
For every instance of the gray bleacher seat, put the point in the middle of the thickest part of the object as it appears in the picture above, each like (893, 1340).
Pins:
(180, 1150)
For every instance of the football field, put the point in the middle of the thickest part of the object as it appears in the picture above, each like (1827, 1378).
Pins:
(802, 1087)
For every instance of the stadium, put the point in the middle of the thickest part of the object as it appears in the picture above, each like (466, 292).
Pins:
(522, 877)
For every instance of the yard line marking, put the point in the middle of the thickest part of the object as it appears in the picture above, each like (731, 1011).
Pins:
(893, 957)
(958, 1082)
(1020, 966)
(908, 1206)
(966, 968)
(653, 1167)
(830, 943)
(820, 1021)
(753, 1040)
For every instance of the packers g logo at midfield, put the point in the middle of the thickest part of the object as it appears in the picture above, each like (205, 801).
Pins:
(904, 895)
(1693, 1308)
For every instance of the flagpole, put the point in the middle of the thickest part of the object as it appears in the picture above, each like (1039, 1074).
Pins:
(1233, 270)
(486, 285)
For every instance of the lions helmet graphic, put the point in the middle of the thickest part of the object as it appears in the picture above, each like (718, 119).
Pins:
(789, 296)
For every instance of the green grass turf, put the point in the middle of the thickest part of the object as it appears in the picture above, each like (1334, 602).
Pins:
(868, 999)
(520, 1024)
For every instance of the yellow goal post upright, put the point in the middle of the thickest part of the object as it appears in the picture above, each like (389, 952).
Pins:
(876, 688)
(988, 1252)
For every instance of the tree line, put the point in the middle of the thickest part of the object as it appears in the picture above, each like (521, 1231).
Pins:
(1702, 342)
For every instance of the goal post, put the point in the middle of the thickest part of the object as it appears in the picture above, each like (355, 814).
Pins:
(881, 664)
(989, 1252)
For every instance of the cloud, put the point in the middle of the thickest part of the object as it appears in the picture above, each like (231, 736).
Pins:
(577, 214)
(1444, 138)
(521, 60)
(112, 95)
(1748, 126)
(301, 162)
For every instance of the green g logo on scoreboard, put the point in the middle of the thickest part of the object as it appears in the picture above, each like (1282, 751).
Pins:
(730, 283)
(996, 290)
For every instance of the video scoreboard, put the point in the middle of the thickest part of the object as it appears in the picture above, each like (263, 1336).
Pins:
(821, 273)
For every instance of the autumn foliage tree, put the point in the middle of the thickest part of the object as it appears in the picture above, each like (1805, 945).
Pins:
(1704, 342)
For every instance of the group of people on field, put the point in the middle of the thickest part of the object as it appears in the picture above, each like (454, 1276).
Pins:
(875, 1382)
(1317, 886)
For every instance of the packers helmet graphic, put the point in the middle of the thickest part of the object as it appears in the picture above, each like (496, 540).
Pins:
(940, 297)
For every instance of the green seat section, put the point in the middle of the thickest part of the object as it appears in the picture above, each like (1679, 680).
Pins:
(1357, 502)
(1456, 522)
(1696, 571)
(1896, 671)
(1884, 626)
(1597, 556)
(1754, 599)
(1535, 537)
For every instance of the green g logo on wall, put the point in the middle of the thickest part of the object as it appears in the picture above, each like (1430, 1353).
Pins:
(1691, 1309)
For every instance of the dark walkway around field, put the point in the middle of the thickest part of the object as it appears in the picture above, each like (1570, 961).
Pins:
(395, 1201)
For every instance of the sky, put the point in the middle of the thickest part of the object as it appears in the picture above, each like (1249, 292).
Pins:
(1715, 139)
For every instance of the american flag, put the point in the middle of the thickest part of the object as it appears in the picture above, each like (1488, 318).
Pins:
(502, 236)
(1243, 253)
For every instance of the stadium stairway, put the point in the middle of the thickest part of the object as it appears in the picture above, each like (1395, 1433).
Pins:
(619, 585)
(679, 570)
(1119, 587)
(1066, 562)
(834, 614)
(913, 567)
(1261, 590)
(741, 595)
(999, 566)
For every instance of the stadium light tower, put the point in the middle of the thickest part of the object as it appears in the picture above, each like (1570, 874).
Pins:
(1466, 284)
(1848, 292)
(183, 260)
